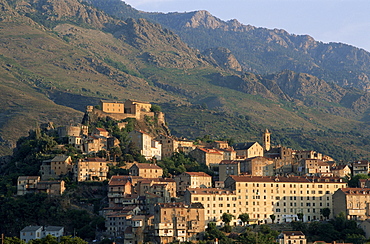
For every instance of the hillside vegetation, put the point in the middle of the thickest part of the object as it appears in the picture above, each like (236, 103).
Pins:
(59, 56)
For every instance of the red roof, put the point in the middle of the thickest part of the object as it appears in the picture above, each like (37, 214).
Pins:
(356, 191)
(202, 174)
(207, 150)
(101, 129)
(271, 179)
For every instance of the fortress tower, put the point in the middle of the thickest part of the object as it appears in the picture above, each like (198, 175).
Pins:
(266, 140)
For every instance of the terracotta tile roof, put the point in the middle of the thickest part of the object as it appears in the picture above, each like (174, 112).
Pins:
(202, 191)
(95, 160)
(356, 191)
(101, 129)
(201, 174)
(212, 151)
(146, 166)
(118, 180)
(271, 179)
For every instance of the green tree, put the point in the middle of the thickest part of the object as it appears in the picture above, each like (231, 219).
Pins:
(226, 218)
(300, 216)
(353, 181)
(72, 240)
(244, 217)
(325, 212)
(13, 240)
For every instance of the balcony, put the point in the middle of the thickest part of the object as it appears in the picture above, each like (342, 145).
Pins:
(163, 226)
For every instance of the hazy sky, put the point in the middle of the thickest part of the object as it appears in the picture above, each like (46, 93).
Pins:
(346, 21)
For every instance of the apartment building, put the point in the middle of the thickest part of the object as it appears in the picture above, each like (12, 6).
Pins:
(193, 180)
(56, 167)
(27, 184)
(361, 167)
(148, 147)
(262, 196)
(354, 202)
(145, 170)
(178, 222)
(92, 169)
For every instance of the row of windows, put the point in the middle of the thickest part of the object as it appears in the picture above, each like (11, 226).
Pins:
(286, 185)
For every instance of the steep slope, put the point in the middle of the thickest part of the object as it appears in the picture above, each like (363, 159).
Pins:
(66, 52)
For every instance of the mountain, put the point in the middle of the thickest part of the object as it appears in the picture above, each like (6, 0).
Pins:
(261, 50)
(58, 56)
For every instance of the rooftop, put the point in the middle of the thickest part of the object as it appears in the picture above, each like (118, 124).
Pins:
(146, 166)
(298, 179)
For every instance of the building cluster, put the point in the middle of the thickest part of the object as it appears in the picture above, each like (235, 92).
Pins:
(270, 183)
(53, 170)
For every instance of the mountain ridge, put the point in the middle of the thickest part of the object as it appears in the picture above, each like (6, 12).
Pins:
(67, 61)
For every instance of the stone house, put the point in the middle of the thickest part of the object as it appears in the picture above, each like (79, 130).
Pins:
(145, 170)
(147, 146)
(192, 180)
(51, 187)
(248, 150)
(165, 188)
(207, 156)
(178, 222)
(308, 155)
(354, 202)
(100, 132)
(360, 167)
(290, 237)
(58, 166)
(258, 166)
(94, 144)
(341, 170)
(228, 167)
(92, 169)
(27, 184)
(120, 191)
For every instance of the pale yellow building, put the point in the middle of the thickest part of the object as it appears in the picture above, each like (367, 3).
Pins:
(120, 191)
(178, 222)
(192, 180)
(91, 169)
(354, 202)
(262, 196)
(341, 171)
(112, 106)
(58, 166)
(207, 156)
(248, 150)
(291, 237)
(146, 170)
(259, 166)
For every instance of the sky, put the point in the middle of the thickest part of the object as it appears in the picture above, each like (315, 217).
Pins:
(345, 21)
